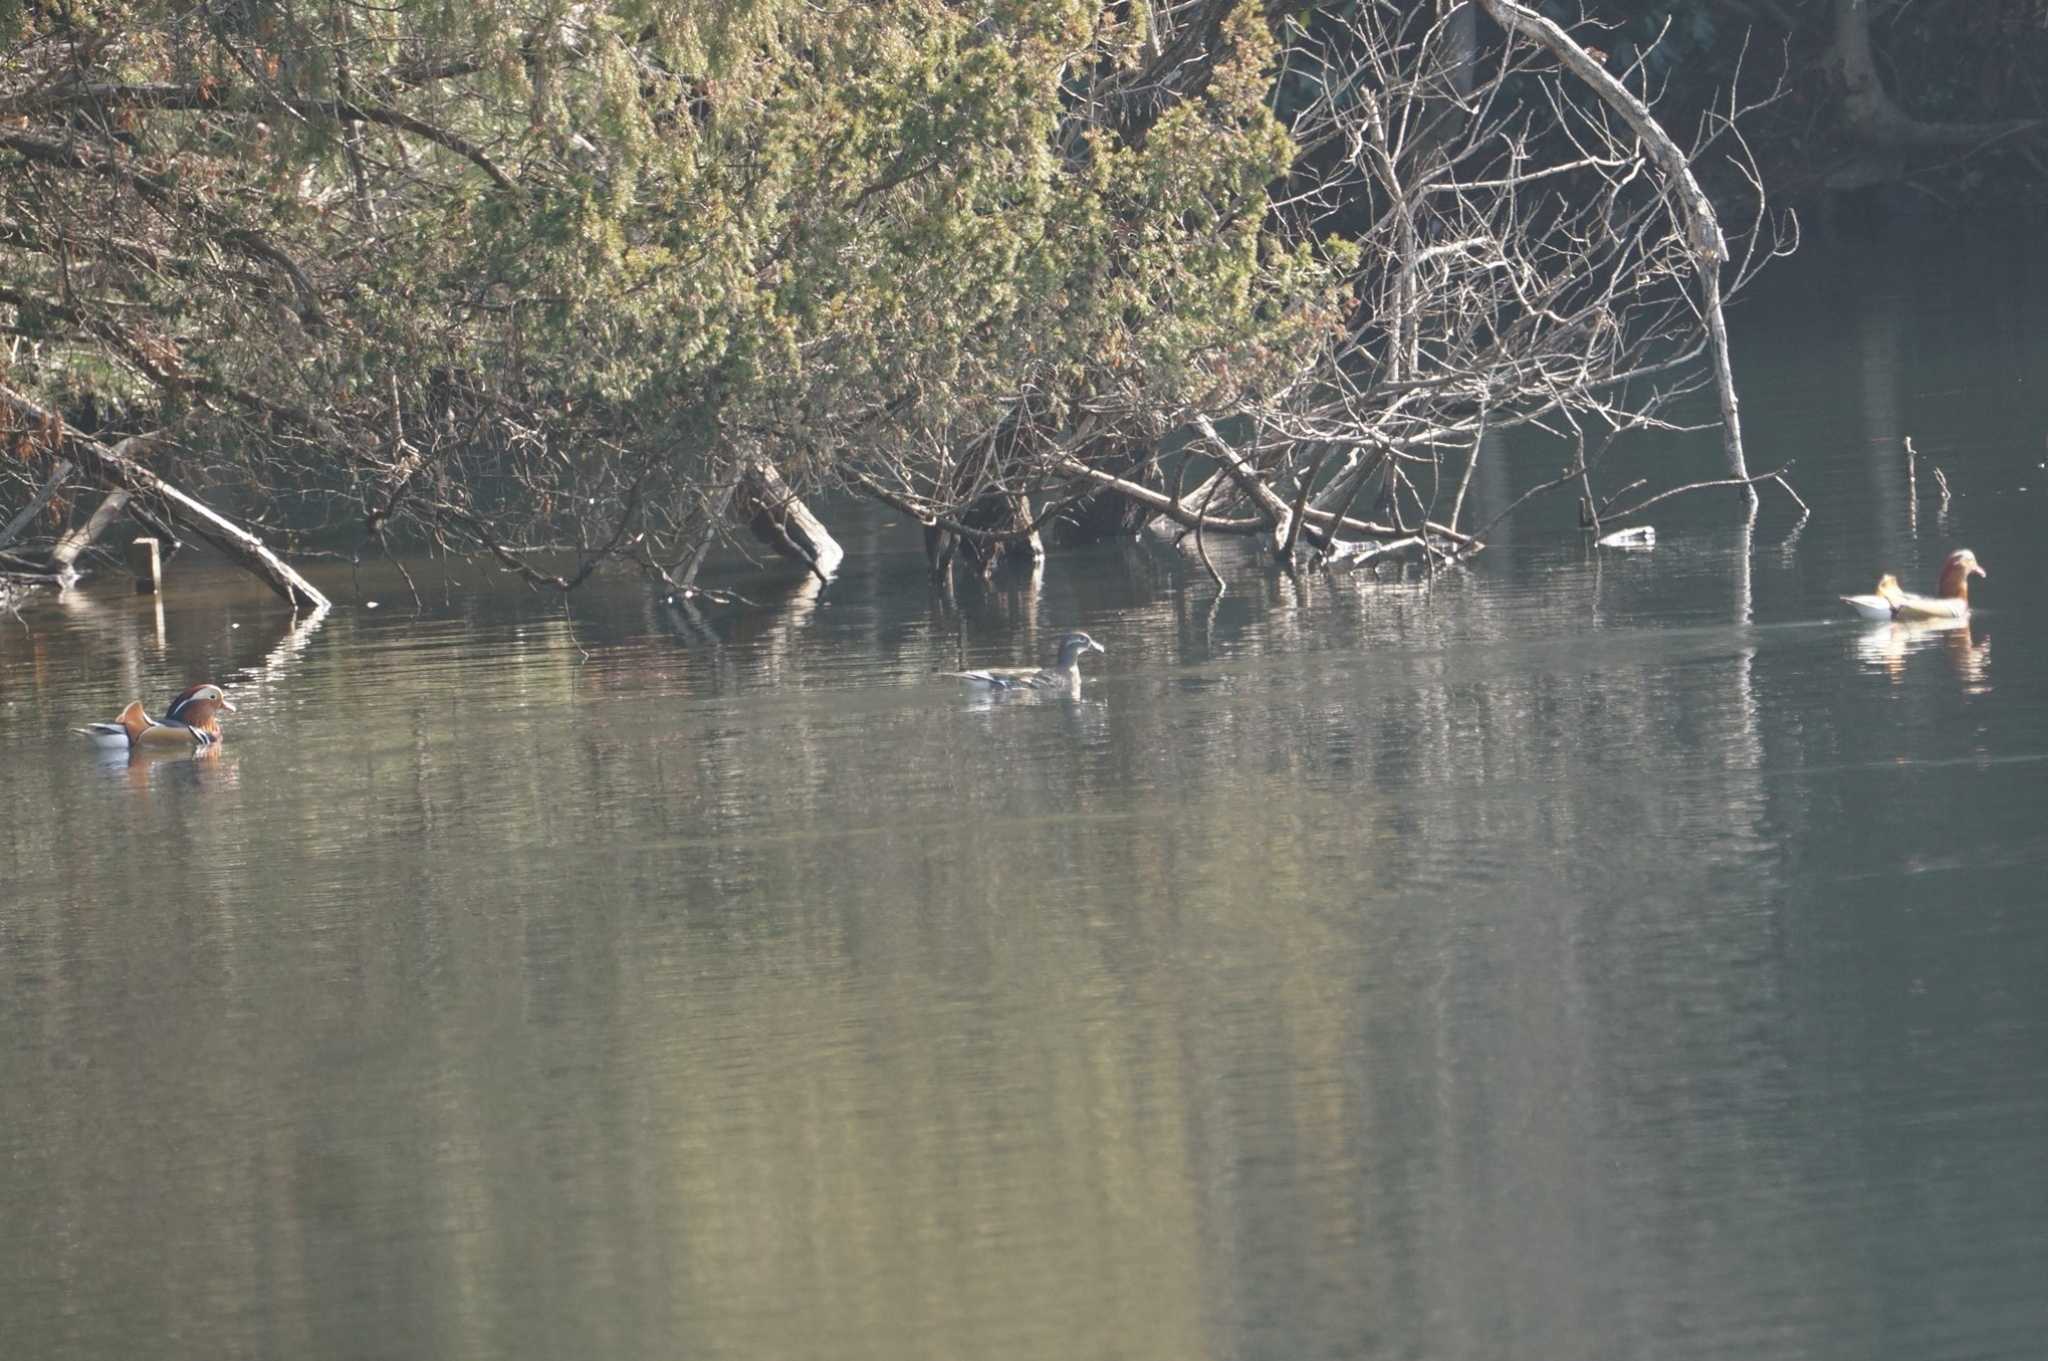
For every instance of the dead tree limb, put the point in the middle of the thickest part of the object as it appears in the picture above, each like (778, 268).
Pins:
(1180, 514)
(1359, 555)
(59, 470)
(780, 519)
(1325, 540)
(712, 519)
(1776, 475)
(1271, 508)
(117, 469)
(64, 557)
(406, 460)
(923, 513)
(1703, 226)
(1294, 520)
(1009, 533)
(622, 542)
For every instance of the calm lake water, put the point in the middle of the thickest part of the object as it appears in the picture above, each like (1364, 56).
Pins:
(1590, 954)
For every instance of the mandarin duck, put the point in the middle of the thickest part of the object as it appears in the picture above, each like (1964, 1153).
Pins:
(1951, 599)
(1064, 674)
(192, 721)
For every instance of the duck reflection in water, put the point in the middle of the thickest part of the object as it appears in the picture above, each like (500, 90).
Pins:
(208, 767)
(1887, 647)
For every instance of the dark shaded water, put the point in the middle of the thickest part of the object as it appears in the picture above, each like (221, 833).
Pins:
(1587, 955)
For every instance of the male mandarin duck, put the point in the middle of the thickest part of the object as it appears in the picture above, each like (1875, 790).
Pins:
(192, 721)
(198, 708)
(1950, 601)
(1065, 674)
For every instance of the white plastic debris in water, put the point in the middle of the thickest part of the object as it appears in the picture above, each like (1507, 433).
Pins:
(369, 604)
(1642, 536)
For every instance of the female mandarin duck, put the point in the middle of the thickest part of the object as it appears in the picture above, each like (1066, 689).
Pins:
(1065, 674)
(192, 721)
(1950, 601)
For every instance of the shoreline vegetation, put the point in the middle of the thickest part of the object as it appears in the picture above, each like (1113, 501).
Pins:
(613, 284)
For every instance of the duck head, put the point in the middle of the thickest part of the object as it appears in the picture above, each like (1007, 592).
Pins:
(199, 708)
(1072, 645)
(1956, 573)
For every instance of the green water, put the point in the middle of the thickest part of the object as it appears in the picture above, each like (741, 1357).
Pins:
(1585, 955)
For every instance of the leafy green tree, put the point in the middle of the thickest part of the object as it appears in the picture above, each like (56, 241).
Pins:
(551, 275)
(538, 278)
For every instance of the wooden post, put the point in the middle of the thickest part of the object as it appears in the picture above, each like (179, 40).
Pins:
(143, 562)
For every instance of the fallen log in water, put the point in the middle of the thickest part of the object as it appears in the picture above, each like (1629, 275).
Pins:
(780, 519)
(118, 470)
(64, 557)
